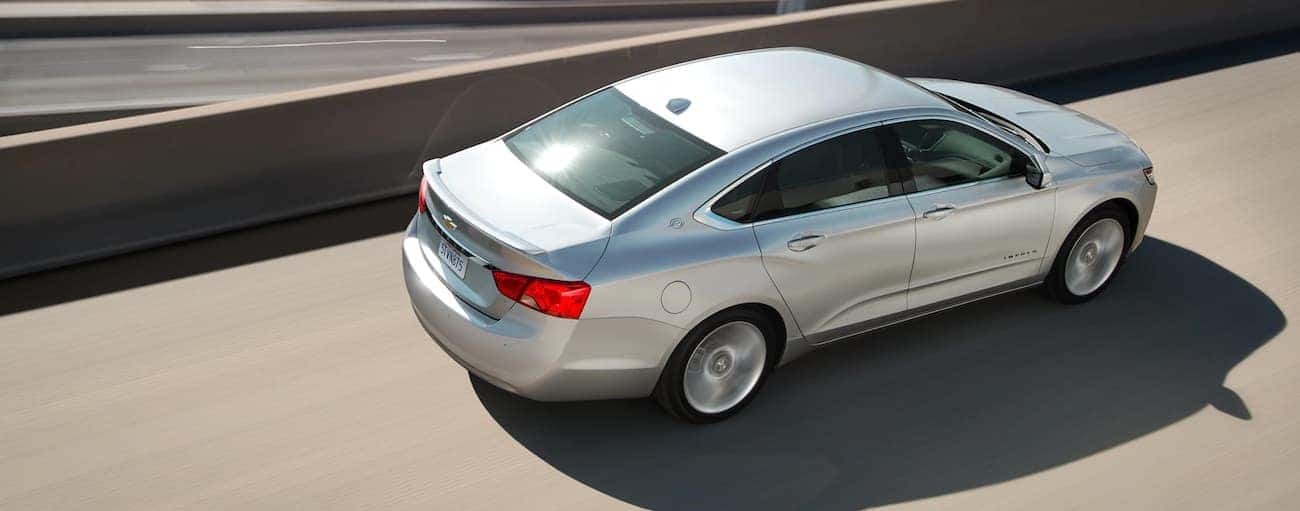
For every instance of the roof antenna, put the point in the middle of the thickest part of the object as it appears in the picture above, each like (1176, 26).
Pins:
(678, 105)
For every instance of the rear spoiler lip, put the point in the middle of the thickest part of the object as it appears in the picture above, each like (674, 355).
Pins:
(432, 169)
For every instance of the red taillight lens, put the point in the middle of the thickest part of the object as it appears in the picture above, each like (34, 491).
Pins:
(553, 297)
(563, 299)
(510, 285)
(421, 207)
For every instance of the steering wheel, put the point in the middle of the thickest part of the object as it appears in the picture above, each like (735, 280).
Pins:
(909, 149)
(1002, 163)
(929, 139)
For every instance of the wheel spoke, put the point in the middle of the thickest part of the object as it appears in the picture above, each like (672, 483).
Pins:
(1094, 256)
(725, 367)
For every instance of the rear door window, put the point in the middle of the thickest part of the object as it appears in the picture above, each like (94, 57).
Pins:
(844, 170)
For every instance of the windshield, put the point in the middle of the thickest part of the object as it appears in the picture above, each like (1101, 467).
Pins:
(607, 152)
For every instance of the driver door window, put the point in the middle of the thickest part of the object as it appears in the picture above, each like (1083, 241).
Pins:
(943, 153)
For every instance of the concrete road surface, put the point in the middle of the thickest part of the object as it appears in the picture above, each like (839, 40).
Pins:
(47, 83)
(281, 368)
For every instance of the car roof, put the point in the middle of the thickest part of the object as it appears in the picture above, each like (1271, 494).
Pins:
(739, 98)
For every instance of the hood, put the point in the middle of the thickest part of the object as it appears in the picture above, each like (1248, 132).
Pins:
(1066, 132)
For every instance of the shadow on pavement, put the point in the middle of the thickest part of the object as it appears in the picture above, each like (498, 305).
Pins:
(206, 254)
(1091, 83)
(970, 397)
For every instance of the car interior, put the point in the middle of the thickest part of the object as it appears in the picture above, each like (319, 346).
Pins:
(944, 154)
(845, 170)
(851, 168)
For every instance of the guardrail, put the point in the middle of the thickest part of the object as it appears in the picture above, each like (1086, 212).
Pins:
(81, 192)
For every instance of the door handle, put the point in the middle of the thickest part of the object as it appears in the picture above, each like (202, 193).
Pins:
(805, 242)
(940, 211)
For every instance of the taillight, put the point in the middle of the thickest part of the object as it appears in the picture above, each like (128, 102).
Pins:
(1150, 173)
(510, 285)
(421, 207)
(553, 297)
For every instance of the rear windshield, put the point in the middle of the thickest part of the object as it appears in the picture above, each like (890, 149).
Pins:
(607, 152)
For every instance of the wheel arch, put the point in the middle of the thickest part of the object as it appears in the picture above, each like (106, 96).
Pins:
(1130, 211)
(1121, 203)
(1063, 228)
(1053, 285)
(779, 342)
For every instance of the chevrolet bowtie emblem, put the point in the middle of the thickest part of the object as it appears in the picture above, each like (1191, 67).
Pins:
(448, 222)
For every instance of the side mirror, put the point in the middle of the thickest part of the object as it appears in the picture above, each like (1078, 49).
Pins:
(1037, 177)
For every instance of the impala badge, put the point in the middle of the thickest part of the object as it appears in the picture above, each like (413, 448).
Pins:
(1020, 254)
(448, 222)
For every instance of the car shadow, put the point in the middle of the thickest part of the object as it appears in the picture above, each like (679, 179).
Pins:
(974, 396)
(198, 256)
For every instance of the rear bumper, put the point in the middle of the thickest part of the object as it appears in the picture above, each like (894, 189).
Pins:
(529, 353)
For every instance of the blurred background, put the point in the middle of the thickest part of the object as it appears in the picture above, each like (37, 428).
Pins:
(201, 303)
(66, 62)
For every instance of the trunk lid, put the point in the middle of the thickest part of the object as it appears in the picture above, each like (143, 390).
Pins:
(1066, 132)
(500, 214)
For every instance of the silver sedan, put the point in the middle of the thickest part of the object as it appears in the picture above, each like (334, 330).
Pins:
(682, 233)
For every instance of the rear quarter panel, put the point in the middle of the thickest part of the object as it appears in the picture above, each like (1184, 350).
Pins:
(659, 242)
(721, 269)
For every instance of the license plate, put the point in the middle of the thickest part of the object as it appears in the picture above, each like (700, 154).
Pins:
(452, 257)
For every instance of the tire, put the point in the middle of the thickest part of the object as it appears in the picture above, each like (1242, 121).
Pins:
(727, 362)
(1079, 273)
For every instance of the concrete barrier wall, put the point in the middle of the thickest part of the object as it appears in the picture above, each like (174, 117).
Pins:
(182, 17)
(81, 192)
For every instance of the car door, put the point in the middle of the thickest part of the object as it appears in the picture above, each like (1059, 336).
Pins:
(979, 225)
(835, 232)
